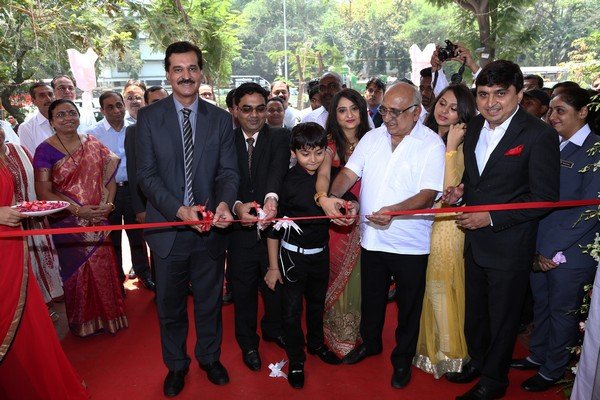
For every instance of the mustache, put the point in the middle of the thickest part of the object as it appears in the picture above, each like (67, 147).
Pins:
(186, 81)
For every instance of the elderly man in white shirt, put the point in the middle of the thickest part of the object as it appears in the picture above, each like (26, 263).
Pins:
(37, 129)
(401, 165)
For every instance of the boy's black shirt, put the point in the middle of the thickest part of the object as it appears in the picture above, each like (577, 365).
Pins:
(297, 200)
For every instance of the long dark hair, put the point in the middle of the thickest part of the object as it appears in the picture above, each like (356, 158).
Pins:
(465, 106)
(335, 130)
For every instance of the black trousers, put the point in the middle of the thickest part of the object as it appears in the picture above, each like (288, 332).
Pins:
(124, 213)
(493, 303)
(246, 271)
(189, 261)
(308, 279)
(408, 271)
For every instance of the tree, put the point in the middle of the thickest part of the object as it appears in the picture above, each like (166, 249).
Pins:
(495, 19)
(35, 37)
(212, 25)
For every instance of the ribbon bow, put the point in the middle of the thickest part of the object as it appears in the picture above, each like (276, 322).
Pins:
(276, 369)
(207, 217)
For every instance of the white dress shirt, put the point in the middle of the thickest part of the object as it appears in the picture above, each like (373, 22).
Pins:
(34, 131)
(115, 141)
(291, 117)
(488, 140)
(390, 177)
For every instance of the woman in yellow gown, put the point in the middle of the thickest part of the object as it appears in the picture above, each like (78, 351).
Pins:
(441, 347)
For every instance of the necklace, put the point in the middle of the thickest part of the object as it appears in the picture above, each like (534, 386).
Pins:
(67, 150)
(351, 147)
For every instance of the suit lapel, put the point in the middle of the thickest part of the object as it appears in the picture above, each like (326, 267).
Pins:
(171, 124)
(508, 139)
(260, 148)
(203, 127)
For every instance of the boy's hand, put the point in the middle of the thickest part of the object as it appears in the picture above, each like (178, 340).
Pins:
(332, 206)
(272, 277)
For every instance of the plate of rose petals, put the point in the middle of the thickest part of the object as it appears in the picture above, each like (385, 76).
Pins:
(39, 208)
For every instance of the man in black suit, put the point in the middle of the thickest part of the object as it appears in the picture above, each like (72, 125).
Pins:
(510, 157)
(186, 156)
(263, 158)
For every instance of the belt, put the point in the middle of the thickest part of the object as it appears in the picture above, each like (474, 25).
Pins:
(121, 184)
(300, 250)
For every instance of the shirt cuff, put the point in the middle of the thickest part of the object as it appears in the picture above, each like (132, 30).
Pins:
(476, 74)
(491, 221)
(271, 194)
(233, 208)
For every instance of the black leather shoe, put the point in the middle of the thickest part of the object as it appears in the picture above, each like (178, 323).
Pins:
(480, 392)
(174, 382)
(216, 373)
(523, 363)
(468, 374)
(358, 354)
(538, 383)
(278, 340)
(252, 360)
(296, 375)
(148, 283)
(401, 377)
(326, 355)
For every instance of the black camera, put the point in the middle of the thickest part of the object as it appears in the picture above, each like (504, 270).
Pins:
(445, 53)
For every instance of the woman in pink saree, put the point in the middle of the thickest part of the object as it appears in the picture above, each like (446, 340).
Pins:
(79, 169)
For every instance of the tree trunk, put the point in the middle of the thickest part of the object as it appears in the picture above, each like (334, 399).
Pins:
(484, 24)
(16, 112)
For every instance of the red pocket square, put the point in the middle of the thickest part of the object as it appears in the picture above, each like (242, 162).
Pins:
(515, 151)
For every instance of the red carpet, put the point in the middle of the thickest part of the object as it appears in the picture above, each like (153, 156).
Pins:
(129, 366)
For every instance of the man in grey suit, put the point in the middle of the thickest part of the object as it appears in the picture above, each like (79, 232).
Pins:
(186, 156)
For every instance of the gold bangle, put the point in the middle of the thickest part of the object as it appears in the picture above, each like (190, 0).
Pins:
(318, 196)
(77, 211)
(112, 206)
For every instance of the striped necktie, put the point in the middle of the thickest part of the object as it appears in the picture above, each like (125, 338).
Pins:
(188, 155)
(250, 142)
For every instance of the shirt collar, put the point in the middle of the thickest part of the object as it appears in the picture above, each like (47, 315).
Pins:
(179, 106)
(107, 127)
(579, 137)
(40, 119)
(503, 126)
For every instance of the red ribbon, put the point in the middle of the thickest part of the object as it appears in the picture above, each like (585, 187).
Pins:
(207, 217)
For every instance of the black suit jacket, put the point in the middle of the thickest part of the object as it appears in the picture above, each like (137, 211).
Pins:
(532, 175)
(138, 200)
(377, 119)
(270, 161)
(160, 171)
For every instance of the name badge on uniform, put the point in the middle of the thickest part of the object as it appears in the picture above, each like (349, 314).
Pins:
(566, 163)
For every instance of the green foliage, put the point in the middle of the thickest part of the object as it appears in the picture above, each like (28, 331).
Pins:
(212, 25)
(34, 37)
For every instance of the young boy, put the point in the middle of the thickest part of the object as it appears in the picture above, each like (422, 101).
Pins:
(304, 256)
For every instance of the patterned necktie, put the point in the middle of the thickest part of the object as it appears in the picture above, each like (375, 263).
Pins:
(188, 155)
(250, 142)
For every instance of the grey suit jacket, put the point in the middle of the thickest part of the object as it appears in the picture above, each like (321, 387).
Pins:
(159, 154)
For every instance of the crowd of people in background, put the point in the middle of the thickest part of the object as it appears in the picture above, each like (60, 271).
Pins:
(463, 282)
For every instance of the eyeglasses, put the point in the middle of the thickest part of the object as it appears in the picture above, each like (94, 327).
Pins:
(249, 109)
(393, 113)
(63, 88)
(330, 87)
(63, 114)
(132, 98)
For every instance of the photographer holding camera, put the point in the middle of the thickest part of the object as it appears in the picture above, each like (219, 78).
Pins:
(451, 52)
